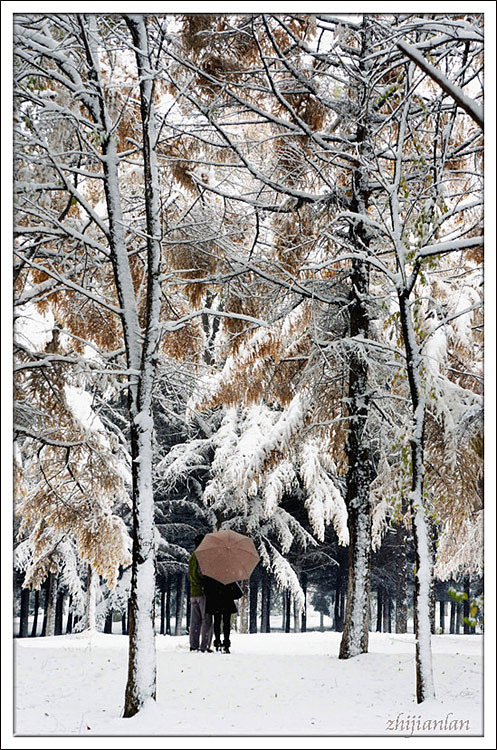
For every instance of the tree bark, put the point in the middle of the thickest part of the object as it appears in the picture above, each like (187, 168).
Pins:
(265, 603)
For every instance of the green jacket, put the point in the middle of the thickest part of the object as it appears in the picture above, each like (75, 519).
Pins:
(196, 577)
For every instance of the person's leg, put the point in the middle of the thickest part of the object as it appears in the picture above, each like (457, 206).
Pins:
(226, 630)
(205, 630)
(217, 630)
(195, 622)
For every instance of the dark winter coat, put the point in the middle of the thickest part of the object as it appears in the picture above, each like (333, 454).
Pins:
(219, 597)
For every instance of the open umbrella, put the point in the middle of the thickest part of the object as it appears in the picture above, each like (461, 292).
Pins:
(227, 556)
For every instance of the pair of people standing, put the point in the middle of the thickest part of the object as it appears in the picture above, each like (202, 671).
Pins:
(212, 604)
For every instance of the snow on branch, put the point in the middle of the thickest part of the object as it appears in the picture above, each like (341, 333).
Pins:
(468, 105)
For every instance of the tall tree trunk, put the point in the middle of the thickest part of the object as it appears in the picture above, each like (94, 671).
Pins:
(265, 603)
(296, 617)
(180, 598)
(50, 604)
(379, 609)
(401, 574)
(253, 596)
(358, 446)
(36, 606)
(141, 685)
(288, 602)
(453, 612)
(442, 615)
(70, 615)
(59, 613)
(124, 629)
(91, 599)
(24, 614)
(162, 610)
(188, 609)
(168, 605)
(321, 622)
(425, 689)
(466, 606)
(386, 604)
(303, 622)
(244, 608)
(108, 622)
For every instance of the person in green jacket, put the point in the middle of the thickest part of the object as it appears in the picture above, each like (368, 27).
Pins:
(200, 619)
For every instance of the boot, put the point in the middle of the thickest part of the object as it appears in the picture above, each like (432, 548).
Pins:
(218, 645)
(226, 647)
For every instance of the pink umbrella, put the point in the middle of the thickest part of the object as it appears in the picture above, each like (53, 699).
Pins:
(227, 556)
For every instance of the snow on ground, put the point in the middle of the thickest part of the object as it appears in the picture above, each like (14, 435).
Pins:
(271, 684)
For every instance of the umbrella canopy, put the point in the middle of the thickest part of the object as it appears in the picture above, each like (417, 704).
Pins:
(227, 556)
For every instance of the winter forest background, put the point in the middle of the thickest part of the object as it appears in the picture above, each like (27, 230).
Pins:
(248, 268)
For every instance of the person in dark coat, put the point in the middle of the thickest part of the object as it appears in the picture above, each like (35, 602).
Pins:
(220, 603)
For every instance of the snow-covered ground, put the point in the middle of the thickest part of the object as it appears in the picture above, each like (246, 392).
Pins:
(271, 684)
